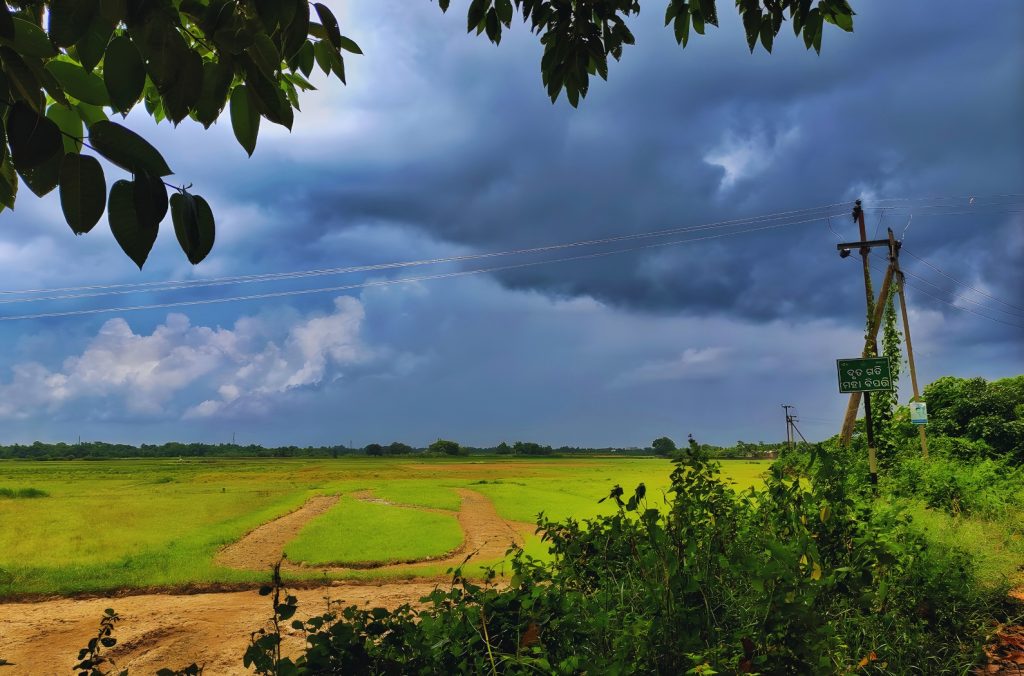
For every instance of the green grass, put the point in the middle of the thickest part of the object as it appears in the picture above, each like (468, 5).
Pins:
(22, 493)
(141, 523)
(357, 532)
(997, 545)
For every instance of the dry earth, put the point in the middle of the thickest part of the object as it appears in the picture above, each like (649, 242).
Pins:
(212, 629)
(166, 630)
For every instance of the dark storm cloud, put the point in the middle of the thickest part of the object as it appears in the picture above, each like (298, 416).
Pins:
(444, 145)
(916, 102)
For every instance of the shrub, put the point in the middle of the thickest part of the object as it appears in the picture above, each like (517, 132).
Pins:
(803, 576)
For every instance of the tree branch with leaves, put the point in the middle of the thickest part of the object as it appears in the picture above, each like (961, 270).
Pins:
(66, 66)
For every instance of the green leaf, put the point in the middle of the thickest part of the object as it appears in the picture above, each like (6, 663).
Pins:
(681, 26)
(29, 40)
(330, 23)
(193, 225)
(298, 30)
(93, 45)
(70, 19)
(70, 124)
(78, 83)
(767, 34)
(126, 149)
(265, 55)
(83, 192)
(46, 79)
(334, 62)
(124, 73)
(8, 184)
(349, 46)
(245, 119)
(268, 98)
(162, 48)
(217, 76)
(43, 178)
(306, 56)
(90, 114)
(135, 237)
(3, 142)
(150, 196)
(752, 26)
(186, 89)
(23, 83)
(322, 53)
(34, 139)
(504, 8)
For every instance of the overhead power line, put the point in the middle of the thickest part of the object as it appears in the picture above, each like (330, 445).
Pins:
(174, 285)
(952, 304)
(401, 280)
(960, 282)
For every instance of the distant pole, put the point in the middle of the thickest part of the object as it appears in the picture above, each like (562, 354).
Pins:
(797, 430)
(900, 283)
(789, 425)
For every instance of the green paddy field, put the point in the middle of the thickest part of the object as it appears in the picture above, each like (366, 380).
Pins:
(70, 527)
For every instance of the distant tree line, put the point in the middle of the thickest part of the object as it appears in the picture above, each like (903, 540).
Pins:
(101, 450)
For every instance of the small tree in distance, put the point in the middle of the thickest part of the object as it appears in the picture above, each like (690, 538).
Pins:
(664, 446)
(398, 448)
(374, 449)
(445, 447)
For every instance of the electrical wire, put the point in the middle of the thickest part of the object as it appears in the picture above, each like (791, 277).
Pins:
(961, 283)
(951, 304)
(968, 300)
(389, 282)
(237, 279)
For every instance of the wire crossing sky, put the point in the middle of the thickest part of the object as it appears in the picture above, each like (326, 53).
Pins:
(660, 261)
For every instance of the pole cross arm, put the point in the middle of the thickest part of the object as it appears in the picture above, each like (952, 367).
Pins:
(863, 245)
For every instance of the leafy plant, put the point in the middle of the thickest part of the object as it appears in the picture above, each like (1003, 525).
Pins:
(801, 577)
(91, 658)
(68, 64)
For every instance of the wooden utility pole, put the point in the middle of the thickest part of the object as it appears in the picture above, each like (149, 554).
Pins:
(869, 341)
(900, 283)
(875, 311)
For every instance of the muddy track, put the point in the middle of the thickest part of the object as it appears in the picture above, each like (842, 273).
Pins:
(485, 537)
(212, 629)
(167, 630)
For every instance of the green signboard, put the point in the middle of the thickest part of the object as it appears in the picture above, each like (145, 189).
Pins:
(870, 374)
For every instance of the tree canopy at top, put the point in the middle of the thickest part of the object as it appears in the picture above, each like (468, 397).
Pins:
(67, 65)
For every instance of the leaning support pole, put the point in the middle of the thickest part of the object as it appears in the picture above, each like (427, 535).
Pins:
(869, 341)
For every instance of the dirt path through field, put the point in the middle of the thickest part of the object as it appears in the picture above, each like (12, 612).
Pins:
(166, 630)
(261, 548)
(486, 536)
(212, 629)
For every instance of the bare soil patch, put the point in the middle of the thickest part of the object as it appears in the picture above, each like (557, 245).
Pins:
(165, 630)
(212, 629)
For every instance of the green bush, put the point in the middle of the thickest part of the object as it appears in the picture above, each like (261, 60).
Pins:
(801, 577)
(989, 488)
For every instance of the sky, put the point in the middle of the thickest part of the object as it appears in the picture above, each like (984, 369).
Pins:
(444, 145)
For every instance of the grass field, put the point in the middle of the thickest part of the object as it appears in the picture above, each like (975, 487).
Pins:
(357, 532)
(143, 523)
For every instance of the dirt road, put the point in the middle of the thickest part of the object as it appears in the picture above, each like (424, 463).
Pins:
(166, 630)
(212, 629)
